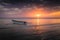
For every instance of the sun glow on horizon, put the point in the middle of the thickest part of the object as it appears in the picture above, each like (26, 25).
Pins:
(38, 15)
(38, 12)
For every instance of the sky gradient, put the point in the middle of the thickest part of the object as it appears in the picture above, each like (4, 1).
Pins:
(29, 8)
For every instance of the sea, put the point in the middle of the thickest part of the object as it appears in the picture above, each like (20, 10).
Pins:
(36, 29)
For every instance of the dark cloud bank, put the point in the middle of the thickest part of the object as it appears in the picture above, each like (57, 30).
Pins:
(43, 2)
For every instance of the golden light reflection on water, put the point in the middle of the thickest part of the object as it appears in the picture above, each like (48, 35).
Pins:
(38, 21)
(43, 21)
(39, 29)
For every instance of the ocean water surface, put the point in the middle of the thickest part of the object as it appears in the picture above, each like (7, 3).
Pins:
(34, 28)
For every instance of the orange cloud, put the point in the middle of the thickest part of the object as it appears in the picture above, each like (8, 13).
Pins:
(55, 14)
(34, 12)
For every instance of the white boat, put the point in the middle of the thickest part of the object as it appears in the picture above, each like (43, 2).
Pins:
(19, 22)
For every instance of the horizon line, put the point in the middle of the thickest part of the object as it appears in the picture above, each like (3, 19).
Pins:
(32, 18)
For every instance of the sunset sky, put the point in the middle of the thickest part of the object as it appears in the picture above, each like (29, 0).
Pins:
(29, 8)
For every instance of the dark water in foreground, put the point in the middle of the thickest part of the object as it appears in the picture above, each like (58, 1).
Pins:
(30, 32)
(46, 31)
